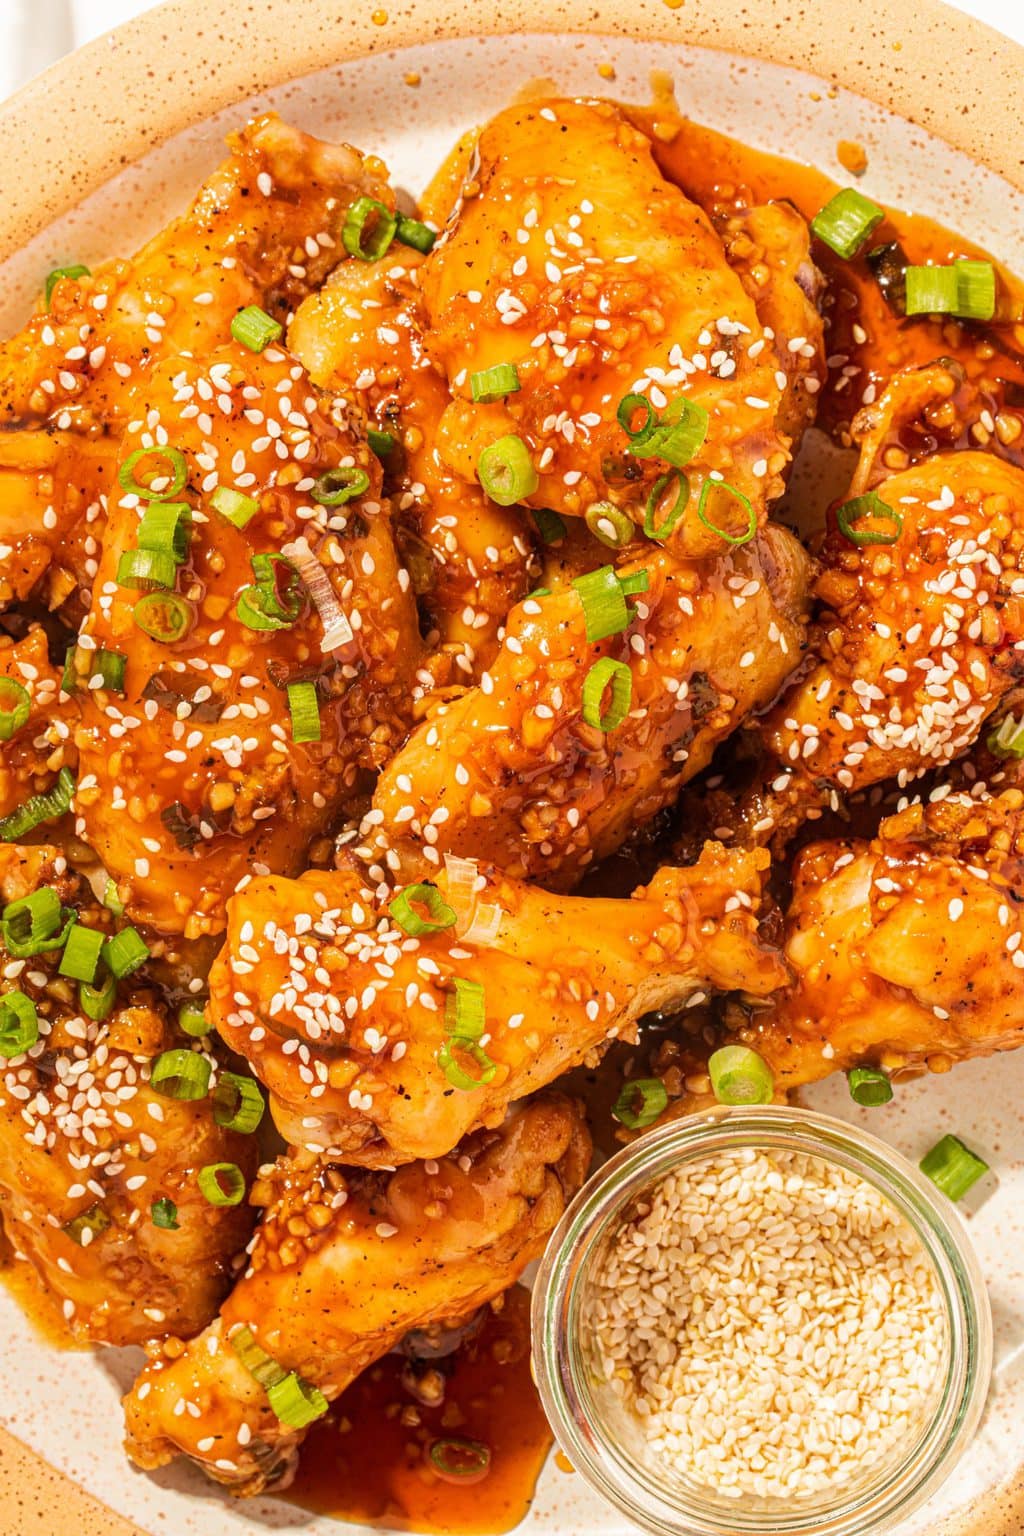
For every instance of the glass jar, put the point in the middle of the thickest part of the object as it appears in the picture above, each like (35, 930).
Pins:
(604, 1441)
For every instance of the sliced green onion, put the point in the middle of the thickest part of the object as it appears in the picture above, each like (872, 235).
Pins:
(740, 1076)
(455, 1073)
(550, 525)
(19, 1024)
(108, 665)
(677, 435)
(604, 606)
(222, 1184)
(252, 610)
(868, 1086)
(192, 1020)
(494, 383)
(675, 512)
(952, 1166)
(381, 443)
(627, 409)
(465, 1016)
(165, 1214)
(336, 486)
(415, 233)
(82, 1229)
(296, 1402)
(404, 912)
(975, 290)
(69, 677)
(721, 488)
(282, 599)
(82, 953)
(179, 473)
(31, 920)
(125, 952)
(1008, 740)
(97, 1002)
(111, 900)
(51, 806)
(180, 1074)
(238, 508)
(146, 570)
(607, 523)
(652, 1096)
(460, 1461)
(237, 1103)
(870, 505)
(637, 582)
(263, 1368)
(369, 229)
(15, 706)
(166, 526)
(506, 472)
(163, 616)
(304, 708)
(931, 290)
(54, 277)
(605, 674)
(966, 289)
(255, 329)
(846, 221)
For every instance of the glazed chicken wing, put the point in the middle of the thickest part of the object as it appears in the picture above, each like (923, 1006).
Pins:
(347, 1018)
(906, 950)
(343, 1266)
(362, 337)
(571, 259)
(512, 773)
(263, 230)
(919, 630)
(196, 772)
(87, 1146)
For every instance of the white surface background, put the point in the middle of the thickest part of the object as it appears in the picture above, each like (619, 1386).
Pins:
(35, 32)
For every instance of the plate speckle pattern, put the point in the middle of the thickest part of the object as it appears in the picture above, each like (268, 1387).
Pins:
(66, 1405)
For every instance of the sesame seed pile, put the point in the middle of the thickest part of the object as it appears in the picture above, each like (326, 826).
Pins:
(772, 1322)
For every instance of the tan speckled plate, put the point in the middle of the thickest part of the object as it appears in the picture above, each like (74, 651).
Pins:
(147, 107)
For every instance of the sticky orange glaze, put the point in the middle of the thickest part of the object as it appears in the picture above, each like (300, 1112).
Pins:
(369, 1460)
(863, 334)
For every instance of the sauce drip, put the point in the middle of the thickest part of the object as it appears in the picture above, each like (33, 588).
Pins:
(369, 1459)
(866, 340)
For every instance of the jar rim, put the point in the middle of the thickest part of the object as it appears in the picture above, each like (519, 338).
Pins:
(600, 1206)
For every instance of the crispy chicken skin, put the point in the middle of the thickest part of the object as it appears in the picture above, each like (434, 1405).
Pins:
(511, 773)
(769, 248)
(192, 779)
(264, 229)
(343, 1016)
(362, 337)
(904, 949)
(83, 1135)
(380, 1254)
(570, 257)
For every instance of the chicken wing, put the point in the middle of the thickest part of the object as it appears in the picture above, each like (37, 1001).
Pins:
(362, 337)
(347, 1018)
(264, 229)
(907, 949)
(343, 1266)
(193, 777)
(87, 1146)
(571, 259)
(919, 633)
(511, 772)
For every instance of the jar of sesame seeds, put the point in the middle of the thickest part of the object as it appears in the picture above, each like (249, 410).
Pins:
(758, 1322)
